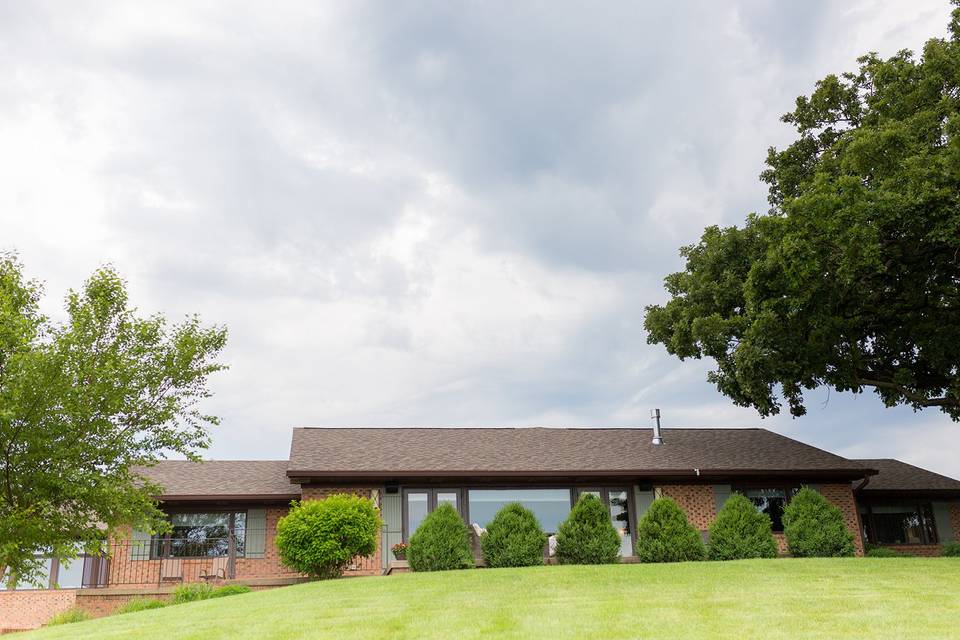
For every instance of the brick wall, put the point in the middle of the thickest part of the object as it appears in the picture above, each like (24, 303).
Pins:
(98, 604)
(841, 496)
(925, 550)
(21, 610)
(269, 565)
(781, 543)
(696, 500)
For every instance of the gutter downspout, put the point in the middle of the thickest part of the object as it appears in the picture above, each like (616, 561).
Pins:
(863, 484)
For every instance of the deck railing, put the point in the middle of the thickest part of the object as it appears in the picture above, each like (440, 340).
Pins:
(161, 561)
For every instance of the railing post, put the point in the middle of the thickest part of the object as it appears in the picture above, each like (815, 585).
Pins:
(231, 554)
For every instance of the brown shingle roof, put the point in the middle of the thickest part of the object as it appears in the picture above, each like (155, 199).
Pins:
(900, 476)
(222, 479)
(445, 451)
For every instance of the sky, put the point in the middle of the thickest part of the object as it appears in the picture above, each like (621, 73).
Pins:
(425, 213)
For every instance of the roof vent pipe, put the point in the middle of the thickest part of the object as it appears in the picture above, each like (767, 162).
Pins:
(655, 415)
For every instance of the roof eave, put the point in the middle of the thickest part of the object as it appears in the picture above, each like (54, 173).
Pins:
(852, 473)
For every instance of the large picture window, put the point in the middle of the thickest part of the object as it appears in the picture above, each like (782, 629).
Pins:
(551, 506)
(199, 534)
(899, 523)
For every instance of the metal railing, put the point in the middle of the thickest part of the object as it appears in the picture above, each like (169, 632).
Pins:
(167, 561)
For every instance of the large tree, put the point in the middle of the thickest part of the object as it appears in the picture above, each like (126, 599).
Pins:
(84, 402)
(852, 279)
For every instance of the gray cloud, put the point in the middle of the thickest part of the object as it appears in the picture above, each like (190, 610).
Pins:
(425, 213)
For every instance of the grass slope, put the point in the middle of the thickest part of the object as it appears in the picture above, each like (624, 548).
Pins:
(849, 598)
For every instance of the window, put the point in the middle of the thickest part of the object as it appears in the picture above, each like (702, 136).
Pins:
(43, 580)
(551, 506)
(771, 501)
(81, 572)
(899, 523)
(198, 534)
(419, 502)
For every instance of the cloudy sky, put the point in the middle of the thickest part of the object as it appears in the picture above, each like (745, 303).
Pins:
(424, 213)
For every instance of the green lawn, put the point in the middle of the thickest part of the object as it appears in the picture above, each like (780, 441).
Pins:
(847, 598)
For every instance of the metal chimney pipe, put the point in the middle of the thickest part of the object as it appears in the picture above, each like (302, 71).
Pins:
(657, 437)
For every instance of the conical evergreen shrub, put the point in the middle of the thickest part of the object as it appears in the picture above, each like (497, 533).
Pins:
(513, 538)
(814, 528)
(665, 535)
(440, 543)
(587, 536)
(740, 531)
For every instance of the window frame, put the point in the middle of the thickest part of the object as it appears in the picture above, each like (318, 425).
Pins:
(431, 503)
(926, 527)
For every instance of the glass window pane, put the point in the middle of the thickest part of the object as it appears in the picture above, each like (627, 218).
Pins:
(550, 506)
(70, 577)
(240, 531)
(897, 524)
(199, 534)
(620, 517)
(447, 497)
(42, 582)
(770, 502)
(417, 504)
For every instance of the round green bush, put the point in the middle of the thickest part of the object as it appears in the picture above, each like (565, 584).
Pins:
(587, 536)
(513, 538)
(665, 535)
(814, 528)
(951, 550)
(883, 552)
(440, 543)
(321, 537)
(740, 531)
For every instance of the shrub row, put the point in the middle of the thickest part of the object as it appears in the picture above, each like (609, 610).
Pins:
(320, 538)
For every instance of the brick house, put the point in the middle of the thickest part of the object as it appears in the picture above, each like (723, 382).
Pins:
(224, 513)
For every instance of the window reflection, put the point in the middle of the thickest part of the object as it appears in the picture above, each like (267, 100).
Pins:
(550, 506)
(899, 523)
(770, 502)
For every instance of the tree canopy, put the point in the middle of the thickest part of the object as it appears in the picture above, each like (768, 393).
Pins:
(852, 279)
(83, 404)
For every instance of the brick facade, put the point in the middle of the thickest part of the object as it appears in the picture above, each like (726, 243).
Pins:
(269, 565)
(696, 500)
(841, 496)
(699, 503)
(923, 550)
(29, 609)
(99, 604)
